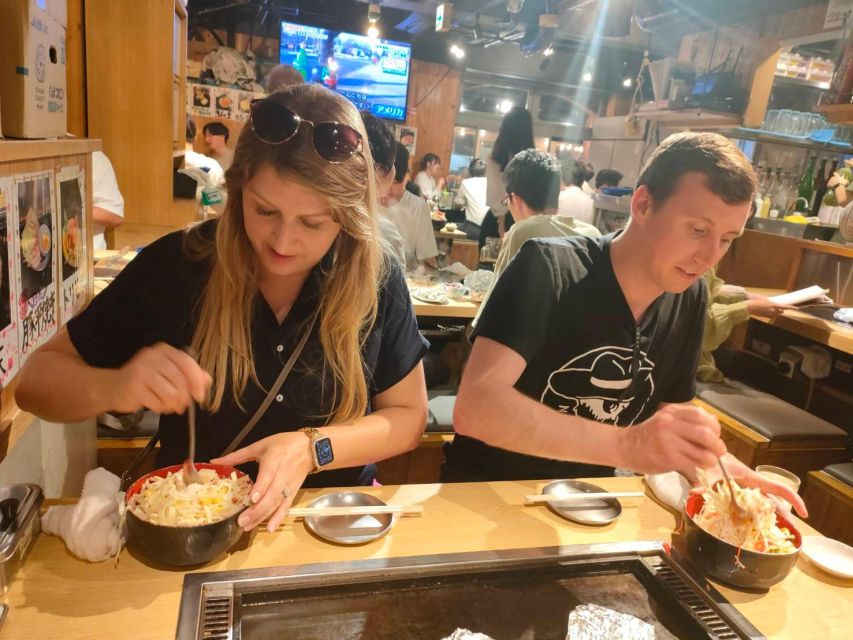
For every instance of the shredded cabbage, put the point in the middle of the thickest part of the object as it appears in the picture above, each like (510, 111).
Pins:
(170, 501)
(758, 532)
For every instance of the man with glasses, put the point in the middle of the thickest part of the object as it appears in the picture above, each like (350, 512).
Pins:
(585, 354)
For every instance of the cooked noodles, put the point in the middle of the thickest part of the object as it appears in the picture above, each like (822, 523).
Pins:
(758, 531)
(170, 501)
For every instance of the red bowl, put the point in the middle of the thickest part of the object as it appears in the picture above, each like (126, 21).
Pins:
(181, 545)
(724, 562)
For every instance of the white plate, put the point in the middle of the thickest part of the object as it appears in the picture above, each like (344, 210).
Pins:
(832, 556)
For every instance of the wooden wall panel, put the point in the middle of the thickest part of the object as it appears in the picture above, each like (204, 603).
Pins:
(434, 92)
(759, 259)
(75, 48)
(129, 82)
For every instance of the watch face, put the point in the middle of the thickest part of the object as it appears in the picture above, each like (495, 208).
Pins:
(323, 448)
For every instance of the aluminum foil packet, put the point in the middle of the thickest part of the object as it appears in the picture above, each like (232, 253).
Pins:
(592, 622)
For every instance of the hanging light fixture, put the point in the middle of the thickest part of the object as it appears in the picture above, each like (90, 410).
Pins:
(373, 10)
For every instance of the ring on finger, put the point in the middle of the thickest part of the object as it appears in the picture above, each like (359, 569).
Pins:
(285, 493)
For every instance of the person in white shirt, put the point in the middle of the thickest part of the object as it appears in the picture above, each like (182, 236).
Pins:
(107, 201)
(428, 179)
(574, 203)
(410, 215)
(193, 159)
(216, 136)
(472, 197)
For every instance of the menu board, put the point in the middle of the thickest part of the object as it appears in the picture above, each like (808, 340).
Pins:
(220, 102)
(71, 250)
(9, 361)
(35, 248)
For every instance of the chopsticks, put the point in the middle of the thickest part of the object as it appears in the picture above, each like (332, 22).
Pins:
(304, 512)
(571, 497)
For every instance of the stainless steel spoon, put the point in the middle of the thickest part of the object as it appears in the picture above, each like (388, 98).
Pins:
(188, 468)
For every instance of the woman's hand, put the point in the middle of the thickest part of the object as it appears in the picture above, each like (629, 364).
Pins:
(767, 308)
(160, 378)
(746, 477)
(284, 460)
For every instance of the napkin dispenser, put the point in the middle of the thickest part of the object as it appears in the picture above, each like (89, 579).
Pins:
(20, 523)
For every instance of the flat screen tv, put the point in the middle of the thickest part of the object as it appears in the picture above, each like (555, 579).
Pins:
(372, 73)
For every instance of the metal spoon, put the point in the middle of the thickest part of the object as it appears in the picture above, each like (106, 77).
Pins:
(738, 512)
(188, 468)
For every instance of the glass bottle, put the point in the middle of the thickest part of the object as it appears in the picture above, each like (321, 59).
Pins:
(805, 188)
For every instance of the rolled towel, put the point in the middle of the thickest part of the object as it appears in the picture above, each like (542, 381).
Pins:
(671, 488)
(92, 528)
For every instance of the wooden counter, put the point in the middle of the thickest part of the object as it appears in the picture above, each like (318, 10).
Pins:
(58, 596)
(460, 309)
(826, 332)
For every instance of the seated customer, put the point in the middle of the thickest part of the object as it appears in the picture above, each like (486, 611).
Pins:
(107, 201)
(728, 306)
(216, 137)
(428, 178)
(410, 215)
(532, 182)
(472, 197)
(195, 160)
(383, 148)
(574, 203)
(607, 178)
(585, 355)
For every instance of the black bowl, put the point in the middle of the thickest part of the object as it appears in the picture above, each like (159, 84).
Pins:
(187, 545)
(747, 570)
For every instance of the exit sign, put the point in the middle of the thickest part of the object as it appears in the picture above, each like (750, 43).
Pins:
(443, 15)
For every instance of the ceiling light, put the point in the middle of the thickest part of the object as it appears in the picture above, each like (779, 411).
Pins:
(372, 31)
(461, 107)
(457, 51)
(587, 77)
(549, 51)
(627, 82)
(505, 106)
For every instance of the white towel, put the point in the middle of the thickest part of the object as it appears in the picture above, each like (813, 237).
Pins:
(92, 528)
(671, 488)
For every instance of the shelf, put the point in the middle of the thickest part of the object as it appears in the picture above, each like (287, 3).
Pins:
(800, 82)
(770, 138)
(836, 113)
(692, 117)
(16, 150)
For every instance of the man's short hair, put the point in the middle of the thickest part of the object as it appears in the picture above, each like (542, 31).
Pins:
(216, 129)
(190, 133)
(283, 76)
(380, 138)
(573, 172)
(727, 171)
(534, 176)
(608, 178)
(477, 168)
(401, 163)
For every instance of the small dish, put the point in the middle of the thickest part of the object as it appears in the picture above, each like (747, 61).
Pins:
(349, 530)
(432, 296)
(595, 511)
(833, 556)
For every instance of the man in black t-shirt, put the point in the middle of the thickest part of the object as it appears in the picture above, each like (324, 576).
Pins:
(588, 347)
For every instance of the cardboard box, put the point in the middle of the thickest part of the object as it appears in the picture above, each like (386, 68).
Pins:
(32, 71)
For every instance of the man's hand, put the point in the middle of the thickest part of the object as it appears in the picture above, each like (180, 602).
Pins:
(678, 437)
(767, 308)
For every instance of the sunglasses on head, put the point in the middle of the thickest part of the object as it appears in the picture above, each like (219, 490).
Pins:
(274, 123)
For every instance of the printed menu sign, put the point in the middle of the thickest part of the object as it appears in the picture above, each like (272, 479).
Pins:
(9, 361)
(220, 102)
(34, 240)
(70, 186)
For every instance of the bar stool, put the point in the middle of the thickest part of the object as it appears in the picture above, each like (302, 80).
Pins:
(828, 494)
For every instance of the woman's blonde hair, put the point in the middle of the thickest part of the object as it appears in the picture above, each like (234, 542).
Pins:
(350, 283)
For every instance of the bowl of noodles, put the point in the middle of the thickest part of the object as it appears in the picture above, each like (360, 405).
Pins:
(753, 554)
(178, 524)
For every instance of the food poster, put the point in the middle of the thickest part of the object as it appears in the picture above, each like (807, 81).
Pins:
(202, 100)
(244, 104)
(224, 102)
(408, 137)
(9, 361)
(70, 190)
(35, 250)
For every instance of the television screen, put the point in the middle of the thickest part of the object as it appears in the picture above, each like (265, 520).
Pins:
(372, 73)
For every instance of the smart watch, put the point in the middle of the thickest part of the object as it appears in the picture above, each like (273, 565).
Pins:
(321, 448)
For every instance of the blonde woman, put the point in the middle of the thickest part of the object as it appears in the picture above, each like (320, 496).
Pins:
(295, 255)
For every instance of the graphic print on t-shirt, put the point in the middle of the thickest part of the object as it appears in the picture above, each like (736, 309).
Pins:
(598, 385)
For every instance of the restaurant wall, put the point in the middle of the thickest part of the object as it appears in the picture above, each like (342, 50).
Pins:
(434, 91)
